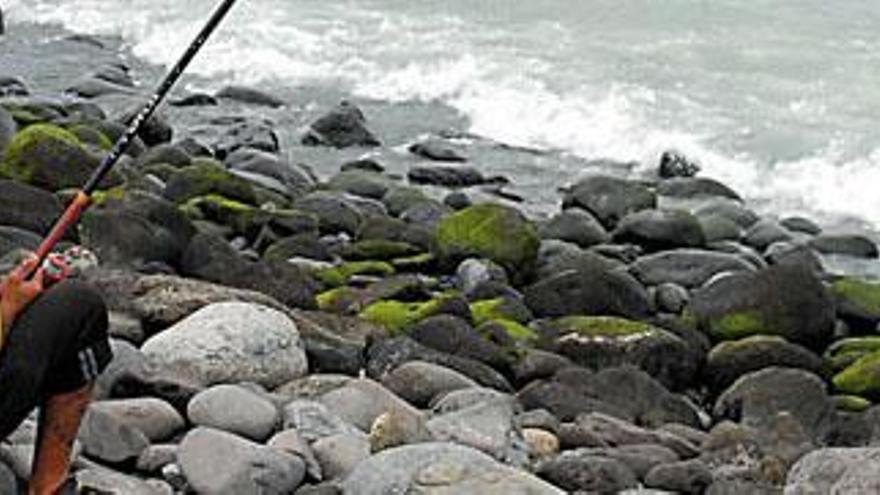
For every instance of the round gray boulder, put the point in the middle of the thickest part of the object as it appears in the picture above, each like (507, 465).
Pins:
(234, 409)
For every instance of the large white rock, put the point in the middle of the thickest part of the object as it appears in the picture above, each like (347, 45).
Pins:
(228, 343)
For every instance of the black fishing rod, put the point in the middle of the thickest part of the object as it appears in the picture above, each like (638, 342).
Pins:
(84, 197)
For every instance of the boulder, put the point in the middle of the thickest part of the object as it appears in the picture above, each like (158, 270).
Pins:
(446, 176)
(857, 246)
(167, 153)
(249, 96)
(487, 426)
(342, 127)
(695, 188)
(591, 290)
(453, 335)
(604, 341)
(861, 378)
(360, 402)
(440, 467)
(236, 410)
(577, 471)
(801, 224)
(96, 479)
(155, 418)
(339, 454)
(27, 207)
(674, 164)
(577, 226)
(566, 402)
(689, 268)
(609, 198)
(203, 179)
(336, 212)
(555, 257)
(13, 238)
(496, 232)
(691, 477)
(729, 209)
(719, 228)
(106, 438)
(50, 158)
(755, 400)
(155, 130)
(787, 301)
(730, 360)
(218, 462)
(836, 470)
(419, 382)
(231, 342)
(617, 432)
(11, 86)
(224, 135)
(436, 150)
(360, 183)
(659, 230)
(250, 163)
(765, 232)
(313, 420)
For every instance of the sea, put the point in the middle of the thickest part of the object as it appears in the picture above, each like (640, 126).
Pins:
(780, 99)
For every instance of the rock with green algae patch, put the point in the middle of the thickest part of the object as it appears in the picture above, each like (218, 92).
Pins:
(851, 403)
(377, 249)
(245, 219)
(499, 233)
(514, 333)
(730, 360)
(607, 341)
(204, 179)
(340, 275)
(397, 316)
(50, 158)
(858, 301)
(847, 351)
(861, 378)
(500, 308)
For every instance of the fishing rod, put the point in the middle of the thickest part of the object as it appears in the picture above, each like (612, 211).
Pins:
(83, 197)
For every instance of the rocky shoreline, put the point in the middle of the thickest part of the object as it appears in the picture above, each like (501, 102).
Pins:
(281, 331)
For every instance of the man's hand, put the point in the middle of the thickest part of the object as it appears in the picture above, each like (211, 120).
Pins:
(16, 292)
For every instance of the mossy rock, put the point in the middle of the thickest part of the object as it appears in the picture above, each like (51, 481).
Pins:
(163, 171)
(861, 378)
(340, 275)
(205, 179)
(397, 316)
(337, 300)
(845, 352)
(858, 301)
(499, 308)
(499, 233)
(101, 197)
(740, 324)
(599, 326)
(377, 249)
(420, 263)
(517, 332)
(243, 218)
(90, 135)
(851, 403)
(51, 158)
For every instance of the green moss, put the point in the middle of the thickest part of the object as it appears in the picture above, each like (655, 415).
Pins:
(851, 403)
(44, 136)
(496, 309)
(205, 179)
(418, 263)
(340, 275)
(861, 378)
(113, 194)
(516, 331)
(87, 134)
(378, 249)
(337, 300)
(243, 218)
(600, 326)
(491, 231)
(737, 325)
(862, 294)
(396, 316)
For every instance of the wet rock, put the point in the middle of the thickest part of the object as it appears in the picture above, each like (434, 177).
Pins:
(225, 135)
(609, 198)
(446, 176)
(342, 127)
(472, 272)
(564, 401)
(730, 209)
(577, 226)
(538, 364)
(591, 290)
(671, 298)
(730, 360)
(194, 100)
(155, 418)
(660, 230)
(719, 228)
(801, 224)
(764, 233)
(250, 96)
(695, 188)
(555, 257)
(295, 179)
(673, 163)
(689, 268)
(440, 466)
(437, 151)
(786, 301)
(217, 462)
(164, 153)
(236, 410)
(577, 471)
(691, 477)
(757, 397)
(857, 246)
(230, 342)
(360, 183)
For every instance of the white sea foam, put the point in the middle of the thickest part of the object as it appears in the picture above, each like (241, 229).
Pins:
(511, 91)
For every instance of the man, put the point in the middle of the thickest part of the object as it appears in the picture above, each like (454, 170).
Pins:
(53, 345)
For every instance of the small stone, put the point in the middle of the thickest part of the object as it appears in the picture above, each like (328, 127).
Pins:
(236, 410)
(543, 444)
(155, 418)
(690, 477)
(339, 454)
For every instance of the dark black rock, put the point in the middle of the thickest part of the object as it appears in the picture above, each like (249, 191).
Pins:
(386, 355)
(164, 153)
(426, 214)
(212, 259)
(689, 268)
(335, 211)
(326, 358)
(764, 233)
(609, 198)
(28, 207)
(689, 477)
(642, 397)
(850, 245)
(732, 210)
(194, 100)
(294, 180)
(538, 364)
(446, 176)
(436, 151)
(156, 129)
(8, 481)
(92, 86)
(305, 245)
(787, 301)
(575, 471)
(697, 187)
(249, 95)
(453, 335)
(671, 298)
(801, 224)
(658, 230)
(392, 229)
(227, 134)
(116, 73)
(577, 226)
(591, 290)
(674, 164)
(12, 86)
(731, 360)
(13, 238)
(563, 400)
(789, 254)
(555, 257)
(457, 200)
(365, 164)
(342, 127)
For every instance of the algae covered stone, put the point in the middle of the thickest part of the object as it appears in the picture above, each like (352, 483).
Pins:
(497, 232)
(858, 301)
(208, 178)
(49, 157)
(340, 275)
(861, 378)
(845, 352)
(396, 316)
